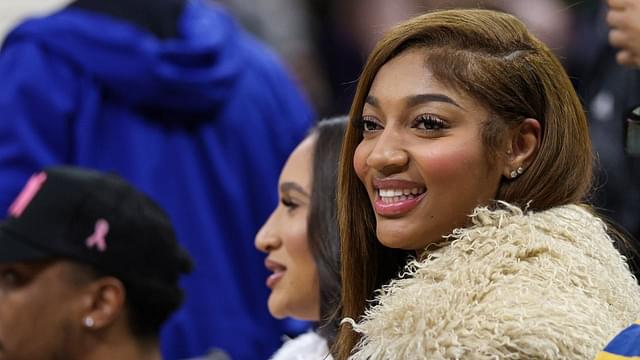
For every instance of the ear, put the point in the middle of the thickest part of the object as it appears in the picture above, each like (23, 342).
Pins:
(104, 303)
(522, 147)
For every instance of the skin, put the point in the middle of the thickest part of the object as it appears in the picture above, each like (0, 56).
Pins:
(295, 290)
(42, 310)
(37, 302)
(419, 133)
(624, 34)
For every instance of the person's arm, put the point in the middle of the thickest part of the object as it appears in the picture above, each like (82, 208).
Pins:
(625, 30)
(37, 99)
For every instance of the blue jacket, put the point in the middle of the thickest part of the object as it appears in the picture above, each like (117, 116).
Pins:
(202, 122)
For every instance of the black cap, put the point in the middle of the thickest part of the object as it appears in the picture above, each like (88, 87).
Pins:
(93, 218)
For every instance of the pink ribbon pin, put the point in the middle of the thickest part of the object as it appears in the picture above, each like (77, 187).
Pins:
(99, 236)
(27, 194)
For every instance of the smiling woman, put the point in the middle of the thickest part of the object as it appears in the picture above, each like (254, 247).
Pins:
(424, 139)
(466, 170)
(301, 240)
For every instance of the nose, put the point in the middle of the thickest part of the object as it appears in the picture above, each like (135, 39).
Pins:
(388, 155)
(267, 238)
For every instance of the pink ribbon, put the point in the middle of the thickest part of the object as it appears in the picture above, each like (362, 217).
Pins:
(99, 236)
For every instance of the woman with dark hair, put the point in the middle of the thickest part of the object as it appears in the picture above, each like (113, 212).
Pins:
(302, 243)
(461, 201)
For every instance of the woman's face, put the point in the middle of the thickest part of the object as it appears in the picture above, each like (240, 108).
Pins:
(421, 158)
(294, 283)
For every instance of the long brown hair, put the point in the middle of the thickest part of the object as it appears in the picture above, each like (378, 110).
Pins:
(493, 58)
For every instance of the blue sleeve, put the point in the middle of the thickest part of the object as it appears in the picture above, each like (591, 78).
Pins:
(36, 103)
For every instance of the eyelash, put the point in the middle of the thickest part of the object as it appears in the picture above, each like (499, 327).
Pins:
(364, 121)
(290, 205)
(430, 123)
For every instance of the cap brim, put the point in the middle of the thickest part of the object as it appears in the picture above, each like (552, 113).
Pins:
(15, 249)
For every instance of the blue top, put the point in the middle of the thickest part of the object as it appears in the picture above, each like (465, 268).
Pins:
(202, 122)
(626, 345)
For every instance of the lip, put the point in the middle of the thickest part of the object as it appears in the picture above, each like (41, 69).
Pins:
(399, 208)
(278, 272)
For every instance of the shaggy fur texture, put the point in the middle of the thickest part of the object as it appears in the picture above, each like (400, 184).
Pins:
(546, 285)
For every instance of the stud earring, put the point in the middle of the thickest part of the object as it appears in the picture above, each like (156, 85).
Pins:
(88, 322)
(514, 174)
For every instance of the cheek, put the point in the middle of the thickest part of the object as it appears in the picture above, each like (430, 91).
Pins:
(297, 247)
(452, 164)
(20, 319)
(360, 160)
(297, 244)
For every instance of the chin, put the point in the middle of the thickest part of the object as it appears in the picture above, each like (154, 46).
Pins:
(275, 308)
(399, 237)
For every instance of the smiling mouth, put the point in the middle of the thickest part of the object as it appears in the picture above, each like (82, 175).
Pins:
(397, 202)
(392, 196)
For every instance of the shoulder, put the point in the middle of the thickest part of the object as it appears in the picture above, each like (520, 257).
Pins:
(309, 346)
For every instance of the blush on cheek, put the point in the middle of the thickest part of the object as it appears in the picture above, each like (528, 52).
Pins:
(449, 163)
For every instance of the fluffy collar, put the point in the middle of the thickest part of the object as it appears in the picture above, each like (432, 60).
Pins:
(545, 285)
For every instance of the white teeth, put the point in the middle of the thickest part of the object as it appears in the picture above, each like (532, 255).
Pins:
(389, 196)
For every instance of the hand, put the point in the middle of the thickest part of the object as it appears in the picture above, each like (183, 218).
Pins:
(623, 18)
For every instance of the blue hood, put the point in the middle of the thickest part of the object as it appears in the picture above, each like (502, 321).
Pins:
(191, 73)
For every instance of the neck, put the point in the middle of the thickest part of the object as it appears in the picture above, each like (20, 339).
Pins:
(129, 349)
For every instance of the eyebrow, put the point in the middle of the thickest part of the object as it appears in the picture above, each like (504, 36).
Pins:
(418, 99)
(287, 187)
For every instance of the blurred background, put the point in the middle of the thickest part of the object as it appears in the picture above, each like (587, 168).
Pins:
(325, 42)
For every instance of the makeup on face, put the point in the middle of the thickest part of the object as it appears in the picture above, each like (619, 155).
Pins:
(421, 158)
(293, 277)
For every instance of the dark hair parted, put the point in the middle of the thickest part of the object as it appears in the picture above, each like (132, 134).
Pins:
(324, 240)
(494, 59)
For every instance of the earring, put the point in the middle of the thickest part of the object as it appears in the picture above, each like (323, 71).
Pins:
(514, 174)
(88, 322)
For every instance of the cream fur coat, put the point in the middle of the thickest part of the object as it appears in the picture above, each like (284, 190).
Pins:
(546, 285)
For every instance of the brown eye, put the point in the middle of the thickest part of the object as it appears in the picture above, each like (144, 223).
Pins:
(369, 124)
(429, 122)
(9, 277)
(290, 205)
